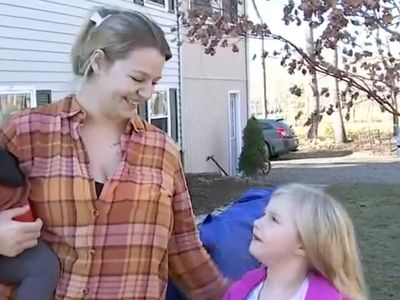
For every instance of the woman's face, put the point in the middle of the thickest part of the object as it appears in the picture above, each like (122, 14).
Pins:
(126, 83)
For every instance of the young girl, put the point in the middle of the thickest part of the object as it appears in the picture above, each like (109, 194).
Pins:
(307, 244)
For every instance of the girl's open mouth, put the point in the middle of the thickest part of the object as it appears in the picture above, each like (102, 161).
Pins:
(256, 238)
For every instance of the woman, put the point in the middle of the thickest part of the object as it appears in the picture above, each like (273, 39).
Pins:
(108, 186)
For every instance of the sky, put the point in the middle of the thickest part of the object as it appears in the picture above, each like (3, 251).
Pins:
(278, 81)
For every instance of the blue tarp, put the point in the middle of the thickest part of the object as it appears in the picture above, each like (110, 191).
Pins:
(226, 237)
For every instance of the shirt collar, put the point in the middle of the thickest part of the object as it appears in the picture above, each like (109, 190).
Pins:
(73, 110)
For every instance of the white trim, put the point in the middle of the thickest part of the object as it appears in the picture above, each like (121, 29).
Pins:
(237, 127)
(216, 8)
(156, 6)
(168, 112)
(215, 78)
(241, 7)
(168, 116)
(16, 89)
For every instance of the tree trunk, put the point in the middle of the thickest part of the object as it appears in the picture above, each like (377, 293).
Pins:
(393, 88)
(262, 62)
(340, 130)
(315, 116)
(264, 78)
(394, 102)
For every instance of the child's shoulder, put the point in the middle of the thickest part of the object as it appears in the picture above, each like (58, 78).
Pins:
(319, 286)
(241, 288)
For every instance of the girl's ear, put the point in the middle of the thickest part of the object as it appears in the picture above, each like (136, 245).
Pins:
(301, 250)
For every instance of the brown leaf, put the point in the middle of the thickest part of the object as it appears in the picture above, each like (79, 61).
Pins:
(355, 3)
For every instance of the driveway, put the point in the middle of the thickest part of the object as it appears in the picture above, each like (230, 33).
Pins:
(354, 168)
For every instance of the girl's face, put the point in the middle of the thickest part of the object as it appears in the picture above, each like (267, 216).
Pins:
(126, 83)
(275, 236)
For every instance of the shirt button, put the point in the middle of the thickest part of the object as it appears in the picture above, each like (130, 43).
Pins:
(92, 252)
(96, 213)
(85, 291)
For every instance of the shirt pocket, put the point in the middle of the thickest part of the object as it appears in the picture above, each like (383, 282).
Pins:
(145, 198)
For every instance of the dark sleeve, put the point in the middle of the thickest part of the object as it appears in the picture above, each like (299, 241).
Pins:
(10, 174)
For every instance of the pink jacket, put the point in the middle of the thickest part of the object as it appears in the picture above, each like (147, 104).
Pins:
(319, 288)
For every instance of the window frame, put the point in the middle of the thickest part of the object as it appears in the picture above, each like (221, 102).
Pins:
(20, 89)
(219, 7)
(168, 116)
(154, 5)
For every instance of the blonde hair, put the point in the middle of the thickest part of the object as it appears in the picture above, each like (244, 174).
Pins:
(119, 32)
(327, 234)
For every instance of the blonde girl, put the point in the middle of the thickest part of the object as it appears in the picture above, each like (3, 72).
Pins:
(306, 244)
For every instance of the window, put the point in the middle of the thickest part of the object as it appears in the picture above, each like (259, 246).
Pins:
(43, 97)
(229, 8)
(213, 5)
(171, 6)
(164, 5)
(157, 2)
(14, 99)
(173, 104)
(201, 4)
(265, 125)
(162, 112)
(158, 111)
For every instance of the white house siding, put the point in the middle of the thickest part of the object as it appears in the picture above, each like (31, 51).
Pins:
(36, 38)
(206, 83)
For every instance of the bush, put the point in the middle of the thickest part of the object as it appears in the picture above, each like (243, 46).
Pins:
(253, 156)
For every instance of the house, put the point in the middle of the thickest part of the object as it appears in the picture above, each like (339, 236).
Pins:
(214, 100)
(35, 42)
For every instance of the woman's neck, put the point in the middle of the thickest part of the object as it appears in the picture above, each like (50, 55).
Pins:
(90, 100)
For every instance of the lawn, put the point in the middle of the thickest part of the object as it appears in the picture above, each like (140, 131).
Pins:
(375, 210)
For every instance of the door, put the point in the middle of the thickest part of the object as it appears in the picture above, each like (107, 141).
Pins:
(234, 132)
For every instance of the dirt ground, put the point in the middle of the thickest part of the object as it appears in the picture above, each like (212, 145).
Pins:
(319, 168)
(369, 186)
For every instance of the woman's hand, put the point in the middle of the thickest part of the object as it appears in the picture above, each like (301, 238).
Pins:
(16, 236)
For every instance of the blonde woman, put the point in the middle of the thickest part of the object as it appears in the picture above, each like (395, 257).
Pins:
(108, 186)
(306, 243)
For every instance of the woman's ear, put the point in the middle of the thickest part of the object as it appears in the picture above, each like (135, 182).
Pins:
(98, 61)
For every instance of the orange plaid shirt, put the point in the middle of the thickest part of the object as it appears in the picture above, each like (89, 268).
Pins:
(124, 244)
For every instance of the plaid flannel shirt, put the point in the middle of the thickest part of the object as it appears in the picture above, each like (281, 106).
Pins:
(124, 244)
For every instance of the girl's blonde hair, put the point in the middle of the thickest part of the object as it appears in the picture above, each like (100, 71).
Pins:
(117, 34)
(327, 234)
